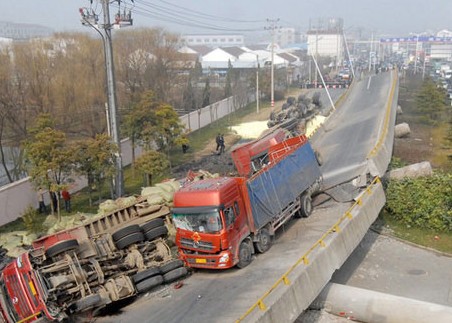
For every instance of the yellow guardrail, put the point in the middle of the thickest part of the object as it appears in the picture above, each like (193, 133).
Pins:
(383, 134)
(304, 259)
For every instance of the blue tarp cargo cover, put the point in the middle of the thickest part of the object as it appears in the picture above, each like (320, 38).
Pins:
(270, 191)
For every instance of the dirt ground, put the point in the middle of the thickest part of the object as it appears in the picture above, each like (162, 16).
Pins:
(425, 143)
(208, 159)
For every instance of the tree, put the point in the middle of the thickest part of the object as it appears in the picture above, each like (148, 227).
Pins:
(94, 160)
(206, 94)
(229, 76)
(49, 159)
(152, 163)
(161, 126)
(189, 100)
(430, 100)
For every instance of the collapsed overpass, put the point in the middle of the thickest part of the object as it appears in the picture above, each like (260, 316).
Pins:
(356, 144)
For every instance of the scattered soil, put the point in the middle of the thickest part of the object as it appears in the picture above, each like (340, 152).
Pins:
(423, 144)
(208, 159)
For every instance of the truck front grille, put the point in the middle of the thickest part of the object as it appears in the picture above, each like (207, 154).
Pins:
(200, 245)
(19, 296)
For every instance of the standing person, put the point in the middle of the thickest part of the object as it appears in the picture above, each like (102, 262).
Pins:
(54, 201)
(67, 200)
(221, 144)
(42, 206)
(218, 141)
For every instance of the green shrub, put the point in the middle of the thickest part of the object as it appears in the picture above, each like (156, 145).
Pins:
(422, 202)
(32, 220)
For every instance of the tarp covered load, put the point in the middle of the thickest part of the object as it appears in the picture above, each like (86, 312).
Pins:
(272, 190)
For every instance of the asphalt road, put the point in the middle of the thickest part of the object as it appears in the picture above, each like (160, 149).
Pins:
(223, 296)
(353, 131)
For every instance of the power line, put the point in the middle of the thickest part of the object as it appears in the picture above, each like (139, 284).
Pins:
(165, 14)
(215, 18)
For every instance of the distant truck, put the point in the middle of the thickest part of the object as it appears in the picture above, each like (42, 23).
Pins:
(222, 222)
(82, 269)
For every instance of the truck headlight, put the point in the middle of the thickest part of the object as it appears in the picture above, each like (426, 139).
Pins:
(224, 258)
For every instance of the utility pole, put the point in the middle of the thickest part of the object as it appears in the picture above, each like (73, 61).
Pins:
(272, 29)
(90, 18)
(257, 84)
(370, 52)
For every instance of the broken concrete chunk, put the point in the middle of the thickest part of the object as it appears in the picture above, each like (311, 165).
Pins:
(411, 171)
(402, 130)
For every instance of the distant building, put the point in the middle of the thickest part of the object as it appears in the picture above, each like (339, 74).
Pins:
(17, 31)
(220, 40)
(285, 36)
(326, 39)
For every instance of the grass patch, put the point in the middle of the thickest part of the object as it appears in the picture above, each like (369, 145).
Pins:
(441, 241)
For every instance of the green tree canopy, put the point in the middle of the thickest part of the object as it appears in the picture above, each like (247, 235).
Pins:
(49, 159)
(430, 100)
(160, 124)
(152, 163)
(94, 159)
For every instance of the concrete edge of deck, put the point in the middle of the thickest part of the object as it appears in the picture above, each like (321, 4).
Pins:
(286, 302)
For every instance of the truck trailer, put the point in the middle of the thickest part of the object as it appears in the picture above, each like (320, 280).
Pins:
(85, 268)
(222, 222)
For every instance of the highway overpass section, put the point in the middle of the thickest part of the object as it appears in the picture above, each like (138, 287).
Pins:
(271, 288)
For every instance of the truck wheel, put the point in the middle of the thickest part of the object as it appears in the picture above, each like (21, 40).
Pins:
(129, 240)
(154, 223)
(121, 233)
(62, 246)
(149, 283)
(244, 254)
(156, 233)
(175, 274)
(265, 241)
(306, 205)
(173, 264)
(145, 274)
(86, 303)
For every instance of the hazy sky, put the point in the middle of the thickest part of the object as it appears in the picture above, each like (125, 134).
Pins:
(394, 17)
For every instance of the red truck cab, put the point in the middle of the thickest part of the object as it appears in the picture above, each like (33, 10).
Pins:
(209, 235)
(20, 292)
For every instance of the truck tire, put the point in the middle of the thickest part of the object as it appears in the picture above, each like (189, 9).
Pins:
(121, 233)
(173, 264)
(145, 274)
(149, 283)
(306, 205)
(265, 241)
(175, 274)
(61, 247)
(129, 240)
(156, 233)
(245, 254)
(154, 223)
(86, 303)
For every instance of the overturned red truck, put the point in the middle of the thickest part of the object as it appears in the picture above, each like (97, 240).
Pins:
(222, 222)
(85, 268)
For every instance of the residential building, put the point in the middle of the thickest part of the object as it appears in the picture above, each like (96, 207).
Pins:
(219, 40)
(326, 39)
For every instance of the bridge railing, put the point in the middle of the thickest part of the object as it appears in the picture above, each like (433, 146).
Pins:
(304, 259)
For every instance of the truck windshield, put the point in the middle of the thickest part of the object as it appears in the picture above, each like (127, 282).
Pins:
(209, 222)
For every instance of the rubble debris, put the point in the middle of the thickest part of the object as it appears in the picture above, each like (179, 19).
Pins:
(410, 171)
(402, 130)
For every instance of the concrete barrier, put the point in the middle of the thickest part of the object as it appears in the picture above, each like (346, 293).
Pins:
(300, 287)
(379, 157)
(363, 305)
